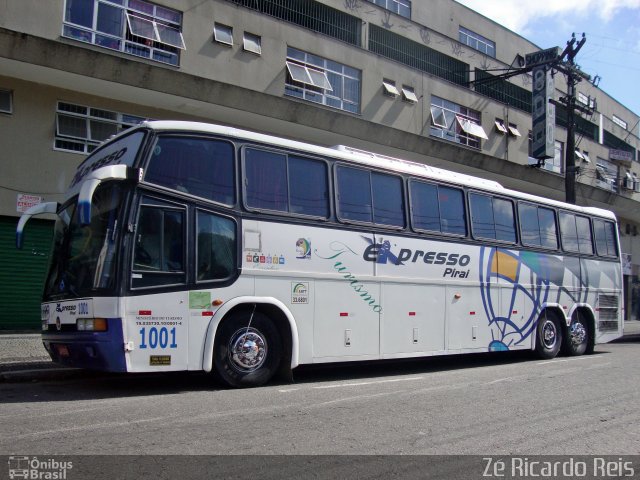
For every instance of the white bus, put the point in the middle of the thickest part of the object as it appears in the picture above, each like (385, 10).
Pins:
(188, 246)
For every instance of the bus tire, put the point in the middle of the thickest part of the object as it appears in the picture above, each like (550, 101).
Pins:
(578, 336)
(548, 336)
(247, 350)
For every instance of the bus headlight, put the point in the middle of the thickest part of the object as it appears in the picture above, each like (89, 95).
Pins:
(91, 324)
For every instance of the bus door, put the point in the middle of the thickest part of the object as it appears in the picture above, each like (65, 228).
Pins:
(157, 311)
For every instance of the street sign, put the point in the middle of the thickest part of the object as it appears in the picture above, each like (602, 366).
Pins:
(543, 114)
(542, 57)
(621, 156)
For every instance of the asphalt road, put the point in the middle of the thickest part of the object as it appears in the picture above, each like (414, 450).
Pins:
(498, 404)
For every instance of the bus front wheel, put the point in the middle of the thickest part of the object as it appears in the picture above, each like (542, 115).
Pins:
(549, 336)
(248, 350)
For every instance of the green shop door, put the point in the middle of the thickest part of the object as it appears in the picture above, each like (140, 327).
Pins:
(22, 272)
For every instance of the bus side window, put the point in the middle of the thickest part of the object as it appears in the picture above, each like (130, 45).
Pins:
(538, 226)
(216, 247)
(197, 166)
(492, 218)
(576, 233)
(159, 249)
(585, 241)
(605, 238)
(568, 232)
(354, 194)
(266, 180)
(437, 208)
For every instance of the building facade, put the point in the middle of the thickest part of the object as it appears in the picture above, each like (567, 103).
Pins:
(408, 79)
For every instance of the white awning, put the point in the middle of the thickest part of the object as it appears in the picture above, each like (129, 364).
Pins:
(500, 126)
(309, 76)
(409, 95)
(585, 157)
(513, 130)
(390, 88)
(472, 128)
(579, 155)
(438, 116)
(155, 31)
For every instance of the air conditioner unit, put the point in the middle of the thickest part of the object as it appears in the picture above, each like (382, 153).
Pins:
(628, 182)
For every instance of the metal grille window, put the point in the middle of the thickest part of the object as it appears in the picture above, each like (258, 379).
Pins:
(401, 7)
(6, 101)
(312, 15)
(477, 42)
(456, 123)
(81, 129)
(418, 56)
(319, 80)
(136, 27)
(502, 91)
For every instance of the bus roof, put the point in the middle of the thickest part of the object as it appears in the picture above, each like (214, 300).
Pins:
(350, 154)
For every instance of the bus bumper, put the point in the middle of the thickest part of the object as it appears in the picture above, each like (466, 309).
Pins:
(92, 350)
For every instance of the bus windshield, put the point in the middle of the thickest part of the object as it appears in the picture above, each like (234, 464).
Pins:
(84, 256)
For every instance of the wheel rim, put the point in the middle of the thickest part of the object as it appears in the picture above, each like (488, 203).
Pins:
(578, 334)
(247, 350)
(549, 334)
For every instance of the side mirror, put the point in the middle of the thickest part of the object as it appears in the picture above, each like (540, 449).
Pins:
(41, 208)
(95, 178)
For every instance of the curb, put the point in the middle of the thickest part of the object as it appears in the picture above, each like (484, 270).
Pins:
(37, 374)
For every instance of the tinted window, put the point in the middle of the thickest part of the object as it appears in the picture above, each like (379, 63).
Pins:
(568, 232)
(425, 209)
(275, 181)
(605, 238)
(354, 194)
(504, 219)
(548, 229)
(585, 242)
(529, 224)
(309, 187)
(388, 203)
(266, 180)
(197, 166)
(438, 208)
(537, 226)
(452, 217)
(159, 252)
(216, 247)
(355, 201)
(492, 218)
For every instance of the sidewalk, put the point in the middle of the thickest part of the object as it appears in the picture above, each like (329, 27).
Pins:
(23, 357)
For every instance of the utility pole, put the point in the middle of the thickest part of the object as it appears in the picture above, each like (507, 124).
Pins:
(539, 63)
(573, 77)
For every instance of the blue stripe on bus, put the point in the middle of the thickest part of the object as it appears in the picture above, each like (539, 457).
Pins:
(91, 350)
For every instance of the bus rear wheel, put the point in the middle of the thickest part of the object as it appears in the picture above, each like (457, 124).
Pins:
(578, 337)
(548, 336)
(248, 350)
